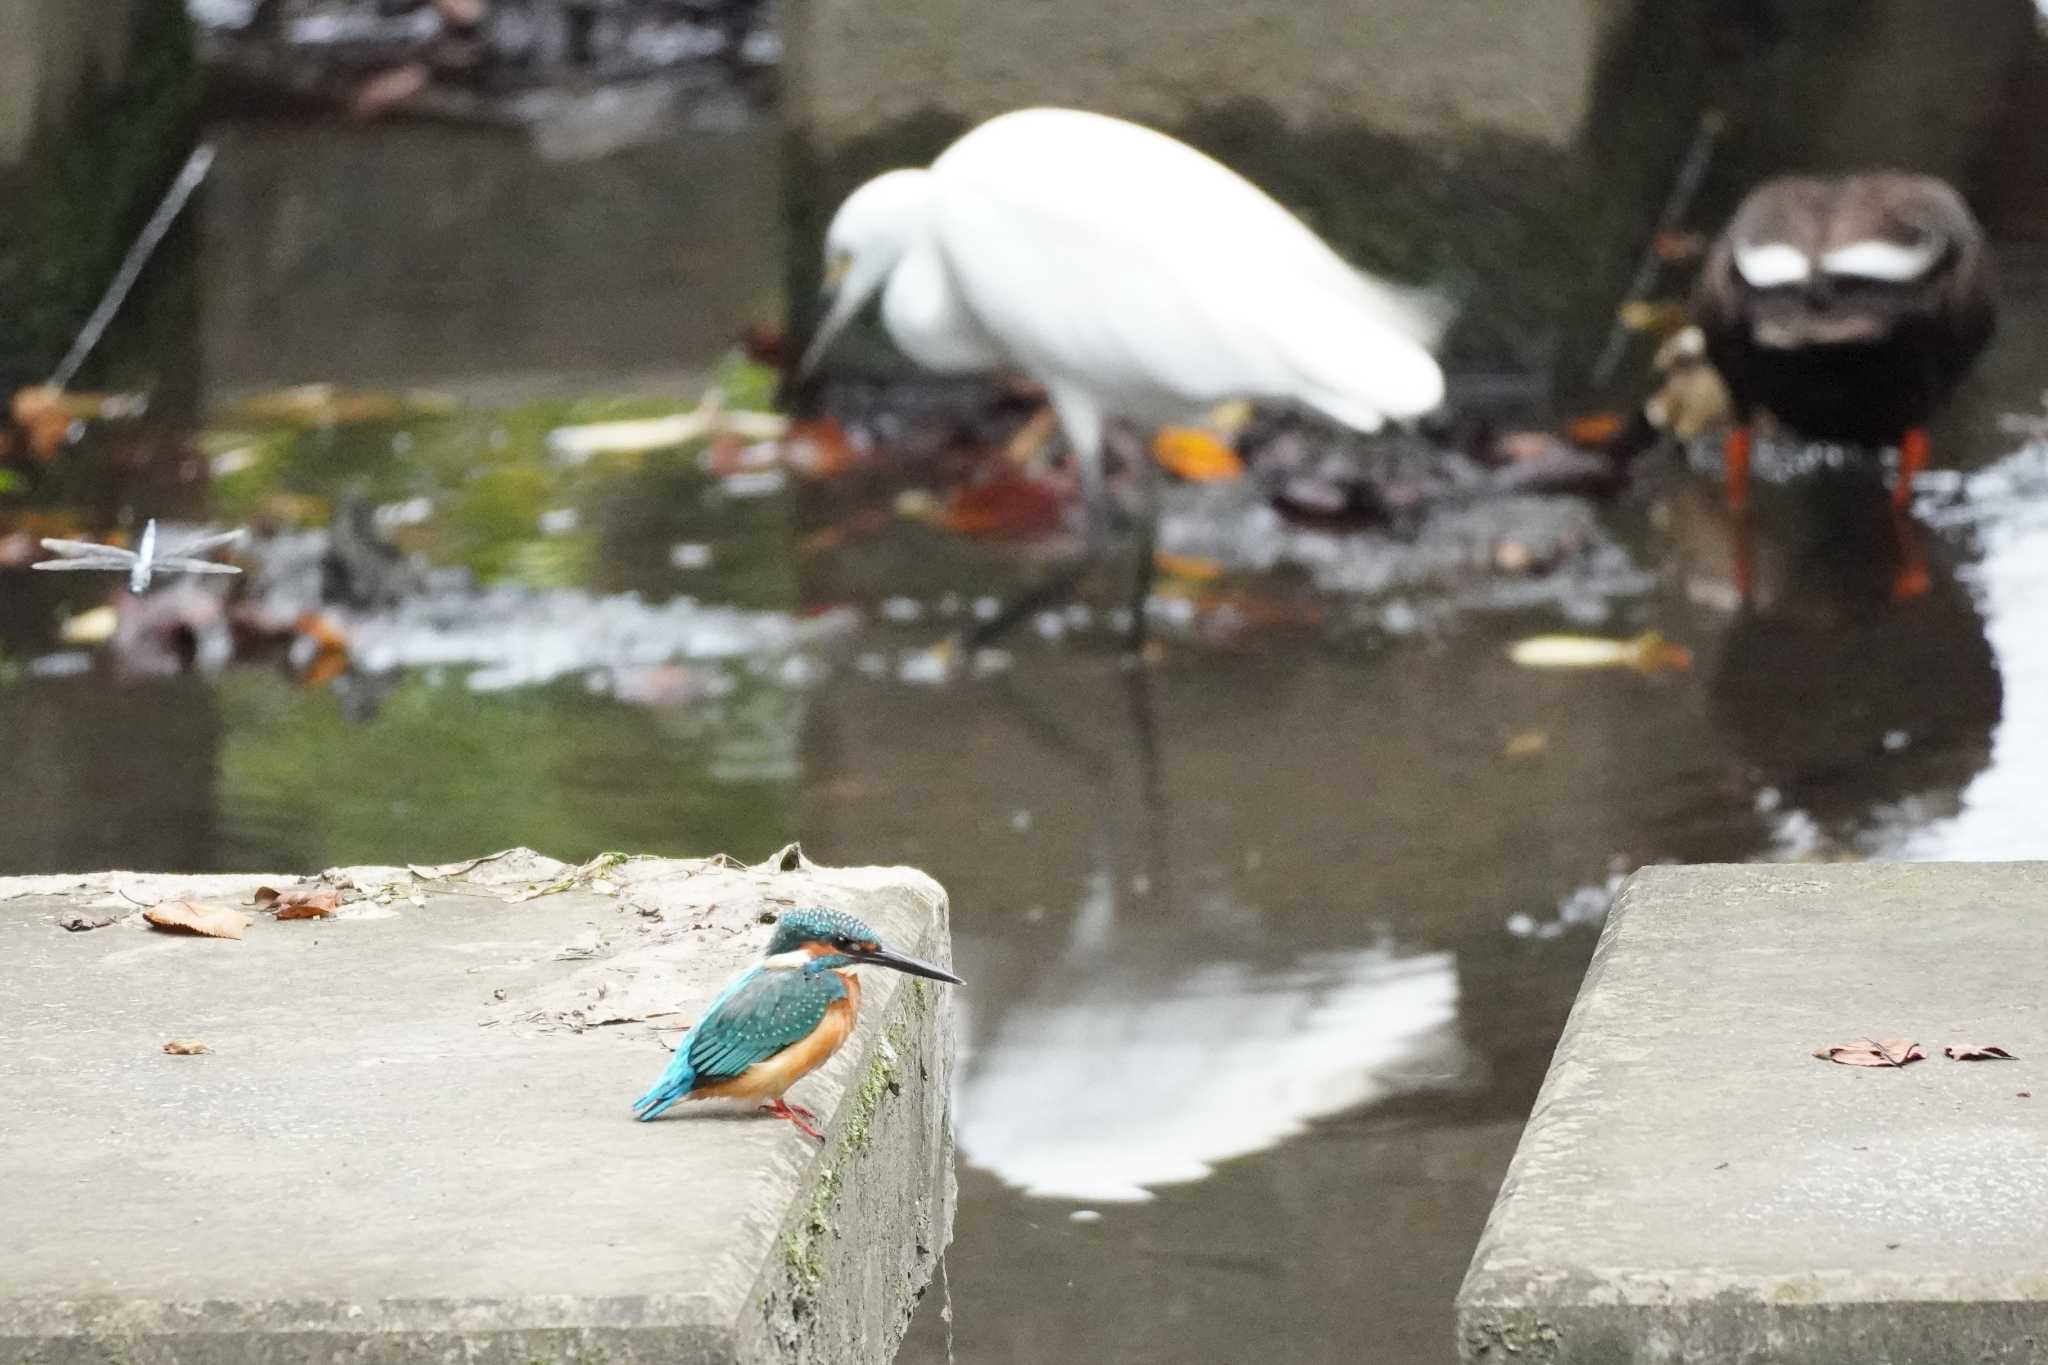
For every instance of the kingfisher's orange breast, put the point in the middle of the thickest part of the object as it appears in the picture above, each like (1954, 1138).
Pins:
(770, 1079)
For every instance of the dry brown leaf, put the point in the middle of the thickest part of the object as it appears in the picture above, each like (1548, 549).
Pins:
(1678, 246)
(1593, 428)
(1873, 1052)
(308, 900)
(190, 917)
(1005, 506)
(1978, 1052)
(186, 1047)
(1660, 317)
(1191, 568)
(387, 88)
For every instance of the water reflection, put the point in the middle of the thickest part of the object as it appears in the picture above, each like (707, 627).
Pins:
(2004, 811)
(1833, 694)
(1116, 1079)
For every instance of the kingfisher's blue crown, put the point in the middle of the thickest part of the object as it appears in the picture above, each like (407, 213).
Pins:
(815, 924)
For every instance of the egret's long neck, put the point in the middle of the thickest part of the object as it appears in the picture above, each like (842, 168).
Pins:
(929, 319)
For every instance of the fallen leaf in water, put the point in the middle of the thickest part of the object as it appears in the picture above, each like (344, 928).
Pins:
(1980, 1052)
(319, 649)
(186, 1047)
(765, 343)
(1649, 652)
(89, 627)
(1028, 441)
(316, 405)
(1659, 317)
(1677, 246)
(1005, 506)
(1245, 610)
(78, 921)
(819, 449)
(1872, 1052)
(1512, 556)
(387, 88)
(45, 421)
(308, 900)
(1593, 428)
(865, 522)
(1196, 455)
(189, 917)
(1189, 568)
(462, 13)
(1526, 744)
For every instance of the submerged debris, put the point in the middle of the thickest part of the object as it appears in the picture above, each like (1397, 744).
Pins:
(1649, 652)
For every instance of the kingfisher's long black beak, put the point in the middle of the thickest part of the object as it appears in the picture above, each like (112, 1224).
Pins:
(887, 957)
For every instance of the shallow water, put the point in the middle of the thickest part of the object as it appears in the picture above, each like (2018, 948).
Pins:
(1269, 941)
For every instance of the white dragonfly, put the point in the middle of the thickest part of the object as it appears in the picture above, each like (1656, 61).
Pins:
(143, 562)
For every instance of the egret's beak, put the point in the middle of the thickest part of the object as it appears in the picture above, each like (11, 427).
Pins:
(848, 287)
(887, 957)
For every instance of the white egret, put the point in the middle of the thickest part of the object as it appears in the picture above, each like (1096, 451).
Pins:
(1132, 276)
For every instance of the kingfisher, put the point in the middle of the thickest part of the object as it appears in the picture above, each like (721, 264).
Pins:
(782, 1018)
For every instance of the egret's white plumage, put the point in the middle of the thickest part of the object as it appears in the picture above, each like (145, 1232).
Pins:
(1130, 274)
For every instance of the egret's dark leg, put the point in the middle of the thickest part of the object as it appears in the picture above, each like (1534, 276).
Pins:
(1082, 424)
(1146, 475)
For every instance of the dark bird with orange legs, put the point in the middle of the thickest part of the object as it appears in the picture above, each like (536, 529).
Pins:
(1847, 308)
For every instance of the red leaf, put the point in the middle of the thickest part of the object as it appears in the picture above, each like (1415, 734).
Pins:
(1005, 506)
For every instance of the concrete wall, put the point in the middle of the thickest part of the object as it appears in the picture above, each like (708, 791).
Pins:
(49, 50)
(97, 103)
(1410, 68)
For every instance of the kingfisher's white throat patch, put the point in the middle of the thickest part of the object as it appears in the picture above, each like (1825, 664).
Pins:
(1770, 265)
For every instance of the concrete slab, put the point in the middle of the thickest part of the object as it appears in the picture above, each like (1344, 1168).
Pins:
(412, 1138)
(1694, 1185)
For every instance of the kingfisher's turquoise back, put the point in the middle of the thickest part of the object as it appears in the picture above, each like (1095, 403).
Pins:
(757, 1016)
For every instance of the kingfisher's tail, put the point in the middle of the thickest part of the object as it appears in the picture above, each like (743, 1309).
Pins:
(675, 1084)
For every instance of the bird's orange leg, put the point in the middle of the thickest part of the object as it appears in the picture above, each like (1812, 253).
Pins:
(1735, 455)
(1914, 449)
(796, 1114)
(1911, 580)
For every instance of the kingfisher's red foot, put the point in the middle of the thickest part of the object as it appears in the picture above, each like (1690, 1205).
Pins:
(1735, 456)
(796, 1114)
(1914, 448)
